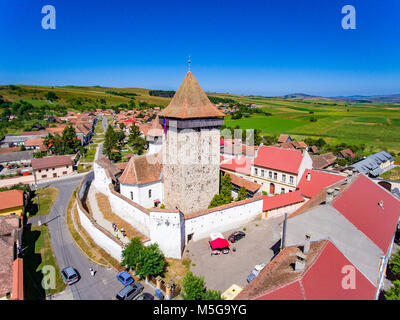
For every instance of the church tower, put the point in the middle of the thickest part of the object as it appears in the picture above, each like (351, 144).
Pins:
(191, 152)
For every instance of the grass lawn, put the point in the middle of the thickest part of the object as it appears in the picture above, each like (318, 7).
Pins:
(393, 174)
(38, 253)
(89, 157)
(47, 196)
(98, 128)
(175, 270)
(81, 168)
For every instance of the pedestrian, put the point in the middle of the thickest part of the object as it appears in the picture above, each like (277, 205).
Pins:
(91, 271)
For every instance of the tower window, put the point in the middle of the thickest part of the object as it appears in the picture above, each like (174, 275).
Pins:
(131, 195)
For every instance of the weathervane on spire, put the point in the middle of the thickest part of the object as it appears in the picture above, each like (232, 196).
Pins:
(189, 64)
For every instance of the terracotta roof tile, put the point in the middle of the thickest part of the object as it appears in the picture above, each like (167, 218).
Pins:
(50, 162)
(190, 101)
(240, 182)
(142, 169)
(281, 200)
(11, 199)
(279, 159)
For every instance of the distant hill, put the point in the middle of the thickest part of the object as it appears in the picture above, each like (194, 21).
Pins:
(355, 98)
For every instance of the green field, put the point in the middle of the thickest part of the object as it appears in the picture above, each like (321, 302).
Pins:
(375, 125)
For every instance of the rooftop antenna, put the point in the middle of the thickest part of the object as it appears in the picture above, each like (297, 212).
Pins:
(189, 64)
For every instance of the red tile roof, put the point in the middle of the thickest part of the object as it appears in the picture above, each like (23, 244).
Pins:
(279, 159)
(281, 200)
(318, 181)
(359, 204)
(283, 138)
(347, 153)
(142, 169)
(321, 280)
(34, 142)
(241, 165)
(51, 162)
(11, 199)
(240, 182)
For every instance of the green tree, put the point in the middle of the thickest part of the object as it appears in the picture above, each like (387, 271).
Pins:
(70, 141)
(192, 287)
(394, 292)
(242, 194)
(135, 140)
(51, 96)
(395, 263)
(110, 142)
(225, 194)
(212, 295)
(150, 261)
(131, 253)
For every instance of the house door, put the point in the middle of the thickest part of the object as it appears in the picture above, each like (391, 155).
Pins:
(272, 188)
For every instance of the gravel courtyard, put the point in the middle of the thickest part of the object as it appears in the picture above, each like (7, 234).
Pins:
(221, 271)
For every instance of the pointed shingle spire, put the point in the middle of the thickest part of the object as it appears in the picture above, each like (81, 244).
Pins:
(190, 101)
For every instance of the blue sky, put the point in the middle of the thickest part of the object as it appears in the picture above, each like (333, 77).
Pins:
(247, 47)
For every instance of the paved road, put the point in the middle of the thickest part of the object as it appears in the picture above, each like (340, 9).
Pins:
(104, 285)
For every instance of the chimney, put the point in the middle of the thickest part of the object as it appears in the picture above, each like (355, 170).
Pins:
(336, 192)
(300, 261)
(283, 232)
(306, 247)
(329, 195)
(309, 176)
(380, 203)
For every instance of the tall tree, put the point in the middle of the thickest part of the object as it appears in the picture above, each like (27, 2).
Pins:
(193, 287)
(136, 141)
(131, 253)
(394, 292)
(242, 194)
(70, 140)
(150, 261)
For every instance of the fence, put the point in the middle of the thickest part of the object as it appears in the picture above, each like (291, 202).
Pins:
(175, 290)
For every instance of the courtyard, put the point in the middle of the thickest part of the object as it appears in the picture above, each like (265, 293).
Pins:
(221, 271)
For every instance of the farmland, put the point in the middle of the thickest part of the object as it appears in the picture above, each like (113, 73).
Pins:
(377, 125)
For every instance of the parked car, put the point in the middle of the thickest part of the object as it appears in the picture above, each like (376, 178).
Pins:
(125, 278)
(130, 291)
(236, 236)
(254, 273)
(70, 275)
(145, 296)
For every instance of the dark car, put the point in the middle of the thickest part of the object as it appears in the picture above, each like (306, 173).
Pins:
(125, 278)
(145, 296)
(70, 275)
(130, 291)
(236, 236)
